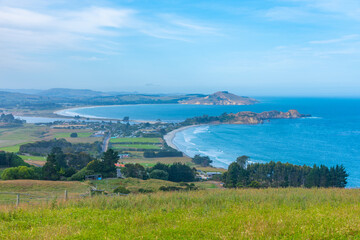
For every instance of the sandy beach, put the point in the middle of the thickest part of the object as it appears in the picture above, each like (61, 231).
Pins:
(171, 135)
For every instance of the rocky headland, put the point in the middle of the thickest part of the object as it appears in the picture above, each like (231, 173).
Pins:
(244, 117)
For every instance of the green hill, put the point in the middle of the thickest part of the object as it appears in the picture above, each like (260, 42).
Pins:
(208, 214)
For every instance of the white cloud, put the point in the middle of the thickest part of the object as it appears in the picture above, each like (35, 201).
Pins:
(348, 8)
(288, 14)
(336, 40)
(90, 29)
(312, 10)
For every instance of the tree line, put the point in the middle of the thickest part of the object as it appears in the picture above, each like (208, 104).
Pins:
(75, 166)
(257, 175)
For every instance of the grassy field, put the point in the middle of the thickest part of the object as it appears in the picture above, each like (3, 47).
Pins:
(150, 162)
(208, 214)
(135, 140)
(83, 135)
(12, 138)
(33, 158)
(136, 146)
(14, 148)
(67, 134)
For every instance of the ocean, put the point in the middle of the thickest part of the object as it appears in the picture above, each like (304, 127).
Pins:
(331, 136)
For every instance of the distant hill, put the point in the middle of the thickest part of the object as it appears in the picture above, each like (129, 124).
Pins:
(220, 98)
(72, 93)
(11, 99)
(25, 91)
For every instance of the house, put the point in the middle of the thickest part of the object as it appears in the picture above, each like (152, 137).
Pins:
(119, 174)
(211, 174)
(119, 165)
(124, 155)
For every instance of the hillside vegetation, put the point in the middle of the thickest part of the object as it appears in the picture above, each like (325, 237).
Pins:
(211, 214)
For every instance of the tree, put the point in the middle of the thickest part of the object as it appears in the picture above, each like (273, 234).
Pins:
(95, 166)
(204, 161)
(160, 166)
(55, 162)
(78, 161)
(134, 171)
(341, 176)
(159, 174)
(242, 161)
(109, 159)
(11, 160)
(179, 172)
(232, 175)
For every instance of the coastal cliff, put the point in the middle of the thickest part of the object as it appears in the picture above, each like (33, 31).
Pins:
(244, 117)
(220, 98)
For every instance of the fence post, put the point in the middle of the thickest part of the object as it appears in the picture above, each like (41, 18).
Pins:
(17, 199)
(66, 195)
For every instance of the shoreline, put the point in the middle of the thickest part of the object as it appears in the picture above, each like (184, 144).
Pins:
(169, 137)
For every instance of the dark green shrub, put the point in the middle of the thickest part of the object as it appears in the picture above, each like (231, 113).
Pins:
(121, 190)
(159, 174)
(74, 135)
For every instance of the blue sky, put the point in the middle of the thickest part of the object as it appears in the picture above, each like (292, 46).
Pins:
(268, 47)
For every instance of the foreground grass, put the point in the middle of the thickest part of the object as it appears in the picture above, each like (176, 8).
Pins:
(134, 184)
(211, 214)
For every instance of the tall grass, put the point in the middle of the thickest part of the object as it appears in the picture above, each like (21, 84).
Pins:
(211, 214)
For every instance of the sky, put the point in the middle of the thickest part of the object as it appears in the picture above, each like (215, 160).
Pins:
(254, 48)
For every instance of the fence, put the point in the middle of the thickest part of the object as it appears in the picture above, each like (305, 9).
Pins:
(20, 198)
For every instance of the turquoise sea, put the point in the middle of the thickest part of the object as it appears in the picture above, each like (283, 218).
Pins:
(331, 136)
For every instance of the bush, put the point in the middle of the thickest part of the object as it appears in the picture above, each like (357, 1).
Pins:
(21, 172)
(170, 188)
(142, 190)
(254, 184)
(159, 174)
(121, 190)
(74, 135)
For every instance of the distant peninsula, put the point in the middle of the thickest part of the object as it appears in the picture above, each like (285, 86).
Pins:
(44, 103)
(220, 98)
